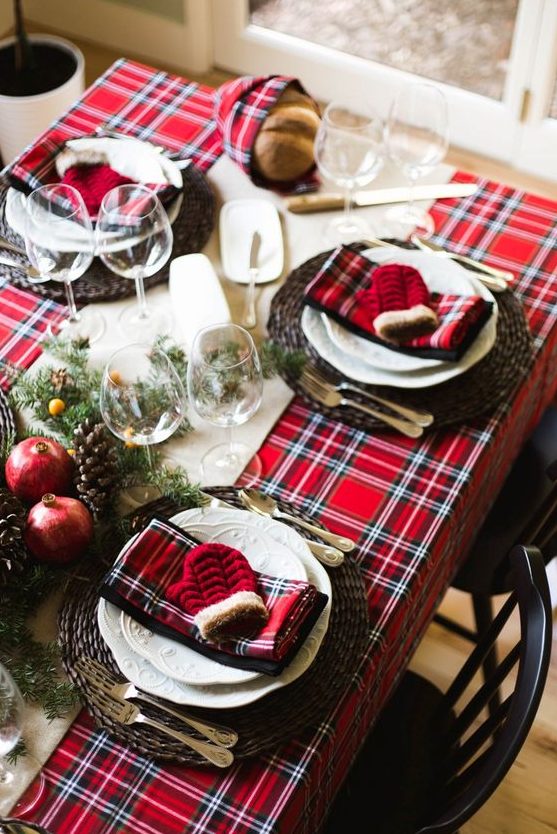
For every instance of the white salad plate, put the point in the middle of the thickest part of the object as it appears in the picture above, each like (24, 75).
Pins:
(365, 361)
(138, 160)
(238, 221)
(144, 675)
(265, 555)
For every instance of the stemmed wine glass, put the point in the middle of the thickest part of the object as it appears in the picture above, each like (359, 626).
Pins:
(11, 781)
(417, 141)
(134, 239)
(349, 149)
(59, 242)
(225, 386)
(142, 400)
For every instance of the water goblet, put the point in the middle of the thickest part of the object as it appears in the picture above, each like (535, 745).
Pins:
(349, 149)
(59, 242)
(11, 780)
(225, 386)
(134, 239)
(417, 141)
(142, 401)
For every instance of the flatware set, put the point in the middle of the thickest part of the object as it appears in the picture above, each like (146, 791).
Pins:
(100, 678)
(112, 700)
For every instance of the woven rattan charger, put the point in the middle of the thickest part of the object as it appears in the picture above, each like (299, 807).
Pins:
(192, 229)
(262, 725)
(7, 421)
(472, 394)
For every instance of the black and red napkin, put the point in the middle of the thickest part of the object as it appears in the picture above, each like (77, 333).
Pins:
(154, 583)
(39, 165)
(358, 293)
(241, 107)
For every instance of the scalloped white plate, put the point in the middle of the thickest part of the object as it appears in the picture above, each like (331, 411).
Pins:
(264, 553)
(145, 676)
(360, 364)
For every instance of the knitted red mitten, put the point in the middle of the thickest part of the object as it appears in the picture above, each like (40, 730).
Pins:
(219, 589)
(93, 182)
(398, 302)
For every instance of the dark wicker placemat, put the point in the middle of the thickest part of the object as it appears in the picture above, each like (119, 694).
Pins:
(262, 725)
(7, 420)
(192, 229)
(474, 393)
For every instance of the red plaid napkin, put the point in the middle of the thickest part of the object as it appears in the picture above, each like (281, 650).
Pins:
(241, 106)
(339, 289)
(153, 561)
(37, 166)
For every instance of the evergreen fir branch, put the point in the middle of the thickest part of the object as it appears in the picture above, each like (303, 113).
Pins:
(276, 360)
(175, 484)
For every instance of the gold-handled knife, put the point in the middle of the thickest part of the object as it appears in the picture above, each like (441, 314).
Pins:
(306, 203)
(499, 277)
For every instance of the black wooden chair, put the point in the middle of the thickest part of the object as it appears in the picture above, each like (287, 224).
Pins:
(426, 768)
(525, 511)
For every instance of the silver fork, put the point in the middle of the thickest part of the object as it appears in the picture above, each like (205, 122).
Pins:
(421, 418)
(126, 713)
(331, 398)
(98, 676)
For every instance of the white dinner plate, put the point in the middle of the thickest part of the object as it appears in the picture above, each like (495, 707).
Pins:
(239, 219)
(138, 160)
(264, 553)
(354, 366)
(145, 676)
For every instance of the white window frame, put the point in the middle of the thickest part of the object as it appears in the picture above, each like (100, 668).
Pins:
(478, 124)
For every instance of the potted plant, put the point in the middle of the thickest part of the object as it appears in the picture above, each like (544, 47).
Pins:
(40, 76)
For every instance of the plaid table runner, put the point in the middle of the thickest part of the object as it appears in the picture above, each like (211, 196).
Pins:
(413, 506)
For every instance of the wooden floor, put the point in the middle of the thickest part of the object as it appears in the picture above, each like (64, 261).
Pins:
(526, 802)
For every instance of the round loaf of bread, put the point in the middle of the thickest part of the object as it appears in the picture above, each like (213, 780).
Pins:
(283, 148)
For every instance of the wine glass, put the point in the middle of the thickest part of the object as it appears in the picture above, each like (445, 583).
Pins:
(417, 141)
(134, 239)
(225, 386)
(349, 149)
(142, 400)
(59, 242)
(11, 780)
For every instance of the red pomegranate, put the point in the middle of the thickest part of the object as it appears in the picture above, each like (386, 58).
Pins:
(36, 466)
(58, 529)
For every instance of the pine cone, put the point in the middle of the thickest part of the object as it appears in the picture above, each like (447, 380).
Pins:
(60, 378)
(13, 553)
(96, 465)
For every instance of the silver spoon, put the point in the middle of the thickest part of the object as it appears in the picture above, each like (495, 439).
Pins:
(265, 505)
(33, 275)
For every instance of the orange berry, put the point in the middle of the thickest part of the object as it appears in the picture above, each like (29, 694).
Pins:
(129, 432)
(115, 377)
(71, 452)
(56, 406)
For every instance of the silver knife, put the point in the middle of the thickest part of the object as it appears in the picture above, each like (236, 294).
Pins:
(250, 316)
(305, 203)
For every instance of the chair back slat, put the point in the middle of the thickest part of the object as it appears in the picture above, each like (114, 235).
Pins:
(487, 730)
(474, 661)
(484, 694)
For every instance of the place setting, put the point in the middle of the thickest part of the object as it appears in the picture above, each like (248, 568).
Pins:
(160, 631)
(93, 166)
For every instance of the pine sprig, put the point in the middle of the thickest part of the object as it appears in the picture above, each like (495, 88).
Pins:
(277, 361)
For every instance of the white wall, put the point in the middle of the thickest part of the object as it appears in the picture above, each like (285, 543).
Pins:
(184, 45)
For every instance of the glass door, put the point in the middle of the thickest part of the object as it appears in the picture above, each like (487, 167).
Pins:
(481, 54)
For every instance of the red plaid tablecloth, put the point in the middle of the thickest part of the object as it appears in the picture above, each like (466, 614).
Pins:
(412, 505)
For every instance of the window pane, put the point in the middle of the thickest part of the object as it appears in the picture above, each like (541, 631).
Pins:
(465, 43)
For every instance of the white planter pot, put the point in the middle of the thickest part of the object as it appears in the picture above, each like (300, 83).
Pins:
(23, 118)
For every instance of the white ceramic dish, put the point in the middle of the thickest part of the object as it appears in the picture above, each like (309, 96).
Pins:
(138, 160)
(354, 366)
(264, 553)
(239, 219)
(196, 296)
(145, 676)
